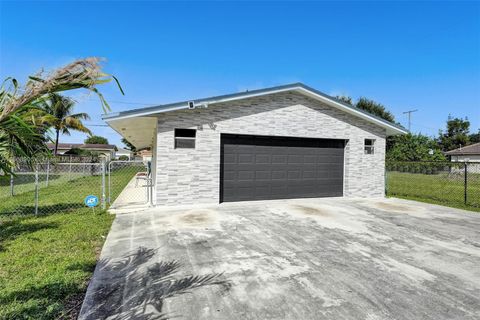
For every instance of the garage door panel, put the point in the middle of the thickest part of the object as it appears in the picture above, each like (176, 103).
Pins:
(246, 175)
(230, 158)
(279, 159)
(255, 168)
(246, 158)
(263, 175)
(279, 175)
(263, 158)
(295, 159)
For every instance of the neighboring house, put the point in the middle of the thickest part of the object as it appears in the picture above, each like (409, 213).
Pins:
(283, 142)
(145, 155)
(123, 152)
(106, 150)
(469, 153)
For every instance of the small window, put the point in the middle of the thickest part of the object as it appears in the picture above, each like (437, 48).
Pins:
(369, 146)
(185, 138)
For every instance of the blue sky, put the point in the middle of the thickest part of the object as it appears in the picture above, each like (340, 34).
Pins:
(406, 55)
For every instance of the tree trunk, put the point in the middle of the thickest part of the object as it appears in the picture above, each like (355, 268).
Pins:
(56, 142)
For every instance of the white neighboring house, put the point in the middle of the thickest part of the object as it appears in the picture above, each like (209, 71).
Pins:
(123, 152)
(145, 155)
(105, 150)
(469, 153)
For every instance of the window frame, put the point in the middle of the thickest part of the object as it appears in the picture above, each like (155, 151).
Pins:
(181, 134)
(369, 149)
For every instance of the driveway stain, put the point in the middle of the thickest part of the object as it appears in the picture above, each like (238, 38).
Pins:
(197, 217)
(193, 218)
(393, 207)
(311, 211)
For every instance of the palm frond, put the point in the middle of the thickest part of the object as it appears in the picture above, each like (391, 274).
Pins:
(26, 117)
(81, 115)
(75, 124)
(85, 73)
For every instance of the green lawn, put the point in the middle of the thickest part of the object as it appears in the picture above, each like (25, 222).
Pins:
(46, 261)
(65, 195)
(25, 182)
(443, 189)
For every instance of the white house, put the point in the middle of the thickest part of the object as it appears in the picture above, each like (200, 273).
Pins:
(469, 153)
(106, 150)
(123, 152)
(289, 141)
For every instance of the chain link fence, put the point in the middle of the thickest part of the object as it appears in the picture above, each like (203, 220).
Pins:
(448, 183)
(57, 187)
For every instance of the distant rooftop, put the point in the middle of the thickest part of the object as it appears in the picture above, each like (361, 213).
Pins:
(89, 146)
(471, 149)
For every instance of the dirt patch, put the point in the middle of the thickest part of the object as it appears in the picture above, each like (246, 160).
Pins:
(198, 217)
(392, 206)
(194, 218)
(73, 304)
(311, 211)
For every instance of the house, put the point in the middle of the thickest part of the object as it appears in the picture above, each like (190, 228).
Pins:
(469, 153)
(106, 150)
(289, 141)
(145, 155)
(121, 152)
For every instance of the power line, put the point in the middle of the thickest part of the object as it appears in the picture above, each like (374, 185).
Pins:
(421, 125)
(122, 102)
(96, 125)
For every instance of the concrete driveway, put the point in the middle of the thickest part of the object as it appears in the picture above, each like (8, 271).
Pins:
(297, 259)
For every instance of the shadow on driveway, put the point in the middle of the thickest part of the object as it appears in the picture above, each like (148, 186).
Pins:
(134, 287)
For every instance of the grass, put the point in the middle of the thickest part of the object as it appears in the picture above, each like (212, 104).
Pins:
(65, 196)
(46, 261)
(443, 189)
(25, 182)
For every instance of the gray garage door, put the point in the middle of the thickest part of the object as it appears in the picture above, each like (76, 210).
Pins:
(261, 168)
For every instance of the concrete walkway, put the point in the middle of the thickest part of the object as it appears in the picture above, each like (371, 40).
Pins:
(133, 198)
(298, 259)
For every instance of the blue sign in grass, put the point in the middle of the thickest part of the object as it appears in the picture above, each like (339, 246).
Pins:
(91, 201)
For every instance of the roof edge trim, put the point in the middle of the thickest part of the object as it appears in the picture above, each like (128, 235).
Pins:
(299, 87)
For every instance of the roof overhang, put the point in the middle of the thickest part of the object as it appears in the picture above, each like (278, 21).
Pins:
(139, 131)
(132, 123)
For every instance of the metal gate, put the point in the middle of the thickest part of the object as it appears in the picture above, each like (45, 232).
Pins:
(129, 183)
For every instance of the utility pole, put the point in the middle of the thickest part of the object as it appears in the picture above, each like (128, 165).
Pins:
(410, 117)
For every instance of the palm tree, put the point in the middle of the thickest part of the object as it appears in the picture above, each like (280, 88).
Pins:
(19, 134)
(60, 108)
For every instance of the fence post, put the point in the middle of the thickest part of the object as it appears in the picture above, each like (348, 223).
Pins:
(385, 181)
(104, 204)
(465, 184)
(109, 182)
(36, 189)
(11, 185)
(70, 168)
(151, 191)
(48, 172)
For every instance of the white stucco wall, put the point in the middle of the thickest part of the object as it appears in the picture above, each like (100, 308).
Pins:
(186, 176)
(468, 158)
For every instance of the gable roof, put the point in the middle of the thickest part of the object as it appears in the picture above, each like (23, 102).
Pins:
(468, 150)
(391, 128)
